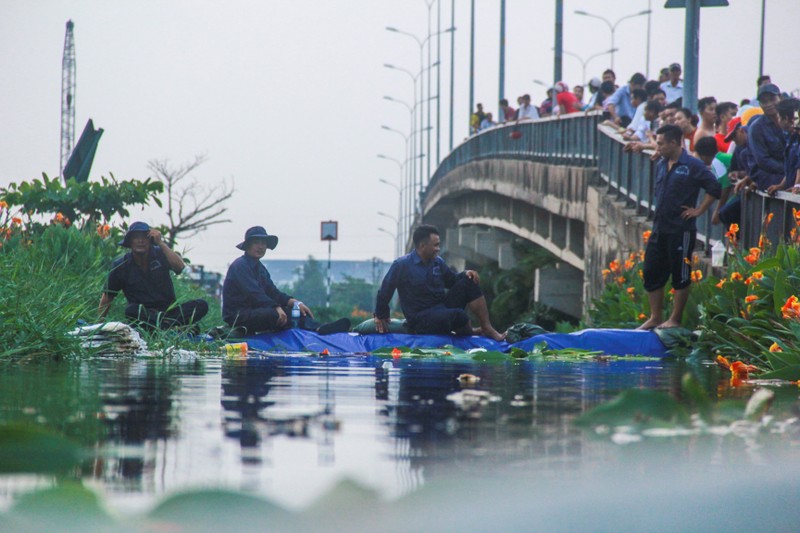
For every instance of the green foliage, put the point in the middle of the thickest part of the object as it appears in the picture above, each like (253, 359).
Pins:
(52, 277)
(509, 293)
(96, 201)
(752, 313)
(31, 449)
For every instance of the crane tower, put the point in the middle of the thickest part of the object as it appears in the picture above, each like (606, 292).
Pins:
(67, 97)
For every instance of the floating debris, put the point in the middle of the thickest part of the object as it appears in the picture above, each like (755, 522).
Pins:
(468, 378)
(111, 338)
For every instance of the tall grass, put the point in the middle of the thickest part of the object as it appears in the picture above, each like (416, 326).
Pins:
(51, 277)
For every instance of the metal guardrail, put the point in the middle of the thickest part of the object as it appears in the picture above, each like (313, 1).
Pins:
(568, 140)
(580, 140)
(756, 206)
(632, 177)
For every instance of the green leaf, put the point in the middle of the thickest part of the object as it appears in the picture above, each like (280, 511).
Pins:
(696, 396)
(490, 357)
(636, 406)
(518, 353)
(31, 449)
(789, 373)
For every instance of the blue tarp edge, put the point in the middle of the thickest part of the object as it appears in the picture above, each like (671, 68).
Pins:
(620, 342)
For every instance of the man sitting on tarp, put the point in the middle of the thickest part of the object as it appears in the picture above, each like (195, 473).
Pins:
(432, 296)
(143, 276)
(250, 299)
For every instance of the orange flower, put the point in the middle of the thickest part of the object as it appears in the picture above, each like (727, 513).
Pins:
(614, 266)
(642, 316)
(325, 352)
(686, 260)
(631, 291)
(16, 221)
(758, 275)
(646, 236)
(796, 215)
(769, 219)
(756, 251)
(763, 242)
(737, 368)
(641, 274)
(103, 231)
(606, 272)
(629, 264)
(775, 348)
(752, 259)
(3, 204)
(733, 230)
(396, 353)
(736, 276)
(791, 309)
(621, 280)
(721, 283)
(750, 298)
(59, 218)
(697, 275)
(672, 291)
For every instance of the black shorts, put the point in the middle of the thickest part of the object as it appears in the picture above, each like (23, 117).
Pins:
(668, 254)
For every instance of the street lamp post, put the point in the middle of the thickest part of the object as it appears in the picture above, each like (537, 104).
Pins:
(421, 43)
(414, 78)
(397, 237)
(612, 27)
(403, 176)
(585, 62)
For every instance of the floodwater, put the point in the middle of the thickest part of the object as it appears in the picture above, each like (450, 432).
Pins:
(289, 428)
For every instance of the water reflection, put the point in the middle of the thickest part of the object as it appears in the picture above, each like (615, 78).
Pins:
(289, 427)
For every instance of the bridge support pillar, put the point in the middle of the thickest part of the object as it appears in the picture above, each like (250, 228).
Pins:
(560, 287)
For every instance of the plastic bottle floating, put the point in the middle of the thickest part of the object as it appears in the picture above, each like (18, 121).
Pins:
(238, 349)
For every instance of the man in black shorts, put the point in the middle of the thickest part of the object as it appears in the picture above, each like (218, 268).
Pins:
(679, 178)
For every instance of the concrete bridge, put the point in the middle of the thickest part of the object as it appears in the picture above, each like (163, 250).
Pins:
(564, 184)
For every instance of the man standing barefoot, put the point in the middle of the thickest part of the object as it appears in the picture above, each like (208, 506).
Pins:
(679, 178)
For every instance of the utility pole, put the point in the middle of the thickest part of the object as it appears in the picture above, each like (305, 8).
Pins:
(559, 46)
(67, 97)
(502, 81)
(471, 65)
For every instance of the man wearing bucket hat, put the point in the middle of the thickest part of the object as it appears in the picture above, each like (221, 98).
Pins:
(142, 275)
(250, 299)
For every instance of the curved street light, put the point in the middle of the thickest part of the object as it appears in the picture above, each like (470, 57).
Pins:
(612, 27)
(585, 62)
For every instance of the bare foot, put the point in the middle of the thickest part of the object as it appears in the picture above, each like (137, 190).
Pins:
(670, 324)
(494, 334)
(650, 324)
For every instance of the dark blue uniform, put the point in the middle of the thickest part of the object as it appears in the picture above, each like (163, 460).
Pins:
(766, 143)
(731, 213)
(249, 297)
(150, 293)
(432, 296)
(669, 249)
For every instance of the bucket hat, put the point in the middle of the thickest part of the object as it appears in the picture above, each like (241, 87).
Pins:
(258, 232)
(136, 227)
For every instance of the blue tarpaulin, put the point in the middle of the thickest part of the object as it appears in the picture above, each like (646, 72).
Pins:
(610, 341)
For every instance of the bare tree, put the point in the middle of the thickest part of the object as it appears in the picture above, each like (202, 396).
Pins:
(191, 207)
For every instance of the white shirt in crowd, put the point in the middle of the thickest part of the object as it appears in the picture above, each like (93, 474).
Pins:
(527, 112)
(673, 93)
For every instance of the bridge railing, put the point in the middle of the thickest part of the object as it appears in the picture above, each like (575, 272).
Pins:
(568, 140)
(631, 176)
(579, 139)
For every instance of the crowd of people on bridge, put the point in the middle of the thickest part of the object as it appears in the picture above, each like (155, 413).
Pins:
(726, 148)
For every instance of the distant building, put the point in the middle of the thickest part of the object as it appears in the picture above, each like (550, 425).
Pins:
(211, 282)
(285, 271)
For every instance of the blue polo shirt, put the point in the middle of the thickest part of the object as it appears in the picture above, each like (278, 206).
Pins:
(679, 187)
(622, 102)
(248, 285)
(419, 285)
(151, 288)
(766, 142)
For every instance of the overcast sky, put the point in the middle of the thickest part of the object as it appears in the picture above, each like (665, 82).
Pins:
(286, 97)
